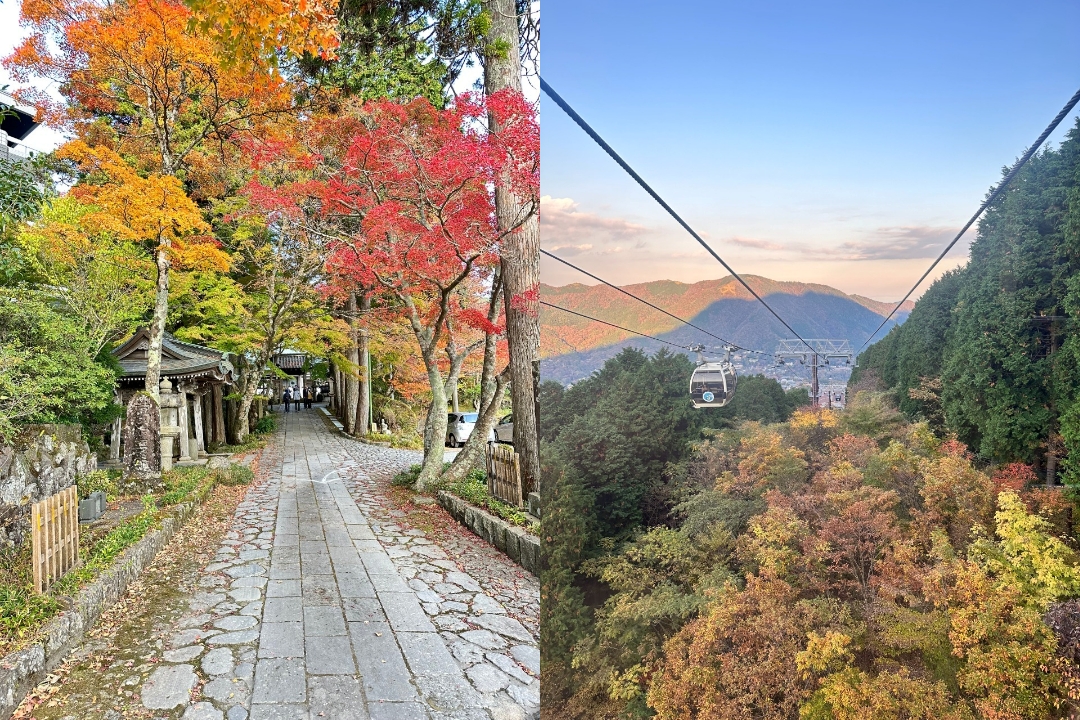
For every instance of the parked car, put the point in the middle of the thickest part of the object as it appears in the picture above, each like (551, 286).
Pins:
(504, 430)
(459, 427)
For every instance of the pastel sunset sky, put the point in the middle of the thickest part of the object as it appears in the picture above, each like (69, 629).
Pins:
(843, 143)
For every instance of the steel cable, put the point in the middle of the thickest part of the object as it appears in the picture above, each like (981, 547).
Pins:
(982, 208)
(655, 196)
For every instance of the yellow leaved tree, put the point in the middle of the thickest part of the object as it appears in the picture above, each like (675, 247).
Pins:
(151, 210)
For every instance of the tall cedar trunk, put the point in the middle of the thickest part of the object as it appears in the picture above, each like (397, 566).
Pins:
(352, 379)
(340, 393)
(231, 422)
(218, 408)
(363, 405)
(336, 405)
(520, 254)
(157, 324)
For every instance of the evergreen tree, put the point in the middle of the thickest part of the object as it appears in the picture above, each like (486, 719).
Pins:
(997, 332)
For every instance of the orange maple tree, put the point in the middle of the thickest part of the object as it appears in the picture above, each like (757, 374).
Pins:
(139, 76)
(154, 107)
(152, 210)
(255, 30)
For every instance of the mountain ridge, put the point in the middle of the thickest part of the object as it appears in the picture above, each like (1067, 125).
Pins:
(572, 346)
(685, 300)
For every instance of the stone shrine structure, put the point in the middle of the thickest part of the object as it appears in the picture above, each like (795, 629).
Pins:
(194, 382)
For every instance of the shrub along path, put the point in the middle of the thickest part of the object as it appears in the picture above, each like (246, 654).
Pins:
(324, 601)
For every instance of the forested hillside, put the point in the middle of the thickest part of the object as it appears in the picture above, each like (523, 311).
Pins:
(990, 351)
(573, 347)
(771, 562)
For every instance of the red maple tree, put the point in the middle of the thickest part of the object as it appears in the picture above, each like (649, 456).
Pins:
(406, 192)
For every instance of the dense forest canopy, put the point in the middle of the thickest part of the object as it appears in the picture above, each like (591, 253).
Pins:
(897, 559)
(776, 561)
(623, 431)
(990, 350)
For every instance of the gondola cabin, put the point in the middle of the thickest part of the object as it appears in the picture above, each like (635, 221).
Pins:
(712, 384)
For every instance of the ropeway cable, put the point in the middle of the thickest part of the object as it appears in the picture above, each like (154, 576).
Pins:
(646, 302)
(986, 203)
(620, 327)
(645, 186)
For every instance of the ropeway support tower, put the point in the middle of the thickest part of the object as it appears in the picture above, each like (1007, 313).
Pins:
(815, 353)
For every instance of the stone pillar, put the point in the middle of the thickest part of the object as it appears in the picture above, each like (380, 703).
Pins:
(114, 441)
(185, 424)
(142, 455)
(170, 422)
(199, 437)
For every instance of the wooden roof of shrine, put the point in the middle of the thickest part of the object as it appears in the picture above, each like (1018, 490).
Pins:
(290, 361)
(179, 360)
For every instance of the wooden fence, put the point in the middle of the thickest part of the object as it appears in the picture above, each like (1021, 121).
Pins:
(55, 528)
(504, 474)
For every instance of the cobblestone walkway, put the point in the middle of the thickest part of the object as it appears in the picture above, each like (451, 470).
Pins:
(321, 604)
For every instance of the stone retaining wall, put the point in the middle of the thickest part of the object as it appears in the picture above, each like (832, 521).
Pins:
(518, 544)
(22, 670)
(42, 461)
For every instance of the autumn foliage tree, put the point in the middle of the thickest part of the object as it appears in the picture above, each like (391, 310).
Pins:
(407, 193)
(94, 275)
(839, 565)
(153, 211)
(157, 114)
(279, 248)
(137, 76)
(254, 31)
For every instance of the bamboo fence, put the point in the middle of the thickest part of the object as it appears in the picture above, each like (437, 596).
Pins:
(504, 474)
(55, 525)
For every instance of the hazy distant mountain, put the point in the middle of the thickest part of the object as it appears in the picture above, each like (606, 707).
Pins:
(574, 347)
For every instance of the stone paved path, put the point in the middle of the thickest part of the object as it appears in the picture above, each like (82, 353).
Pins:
(320, 604)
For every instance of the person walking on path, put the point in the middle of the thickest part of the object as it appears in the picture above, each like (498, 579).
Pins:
(307, 398)
(286, 397)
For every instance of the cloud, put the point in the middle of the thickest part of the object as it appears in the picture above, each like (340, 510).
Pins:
(900, 243)
(907, 242)
(564, 224)
(759, 244)
(570, 250)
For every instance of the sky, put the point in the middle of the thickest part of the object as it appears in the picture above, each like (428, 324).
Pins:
(842, 143)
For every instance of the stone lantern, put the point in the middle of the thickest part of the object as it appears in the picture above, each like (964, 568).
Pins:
(169, 402)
